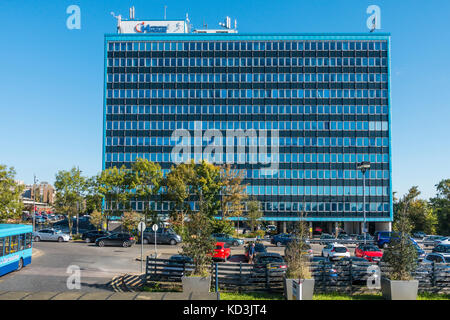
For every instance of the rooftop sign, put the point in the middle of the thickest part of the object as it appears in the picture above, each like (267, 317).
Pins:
(142, 27)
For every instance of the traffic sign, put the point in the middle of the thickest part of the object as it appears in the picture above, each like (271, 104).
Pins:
(141, 226)
(155, 227)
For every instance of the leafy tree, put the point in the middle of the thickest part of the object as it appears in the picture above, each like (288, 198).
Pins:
(70, 188)
(114, 185)
(254, 213)
(146, 179)
(222, 226)
(130, 220)
(441, 206)
(198, 243)
(93, 198)
(10, 193)
(401, 255)
(96, 219)
(207, 187)
(233, 192)
(298, 264)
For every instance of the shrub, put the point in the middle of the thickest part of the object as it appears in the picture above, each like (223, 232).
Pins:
(298, 264)
(222, 226)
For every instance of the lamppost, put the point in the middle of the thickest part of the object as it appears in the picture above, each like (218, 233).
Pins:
(34, 202)
(363, 167)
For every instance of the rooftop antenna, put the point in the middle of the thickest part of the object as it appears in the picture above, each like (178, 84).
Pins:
(226, 24)
(119, 21)
(132, 13)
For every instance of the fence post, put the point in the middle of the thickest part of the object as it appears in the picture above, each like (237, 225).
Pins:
(217, 276)
(146, 269)
(267, 278)
(433, 274)
(350, 268)
(240, 276)
(322, 270)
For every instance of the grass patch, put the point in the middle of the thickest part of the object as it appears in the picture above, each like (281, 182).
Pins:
(432, 296)
(250, 296)
(339, 296)
(162, 287)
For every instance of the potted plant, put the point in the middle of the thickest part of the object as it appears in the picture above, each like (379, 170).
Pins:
(298, 266)
(198, 246)
(401, 256)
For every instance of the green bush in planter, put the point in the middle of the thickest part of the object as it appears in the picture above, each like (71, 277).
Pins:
(298, 264)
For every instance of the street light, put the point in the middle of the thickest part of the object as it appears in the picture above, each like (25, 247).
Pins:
(34, 202)
(363, 167)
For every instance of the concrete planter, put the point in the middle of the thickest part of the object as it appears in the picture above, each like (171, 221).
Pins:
(196, 284)
(399, 290)
(307, 289)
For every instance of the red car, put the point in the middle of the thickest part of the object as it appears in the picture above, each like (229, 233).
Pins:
(369, 252)
(222, 251)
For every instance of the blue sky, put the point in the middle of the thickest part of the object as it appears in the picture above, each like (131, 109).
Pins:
(51, 78)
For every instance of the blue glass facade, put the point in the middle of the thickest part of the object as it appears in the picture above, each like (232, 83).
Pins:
(327, 97)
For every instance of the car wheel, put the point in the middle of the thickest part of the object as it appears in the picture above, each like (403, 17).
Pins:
(60, 239)
(20, 266)
(88, 240)
(125, 244)
(101, 243)
(173, 242)
(278, 244)
(145, 241)
(37, 239)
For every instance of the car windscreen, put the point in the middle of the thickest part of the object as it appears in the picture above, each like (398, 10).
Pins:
(218, 247)
(443, 249)
(340, 249)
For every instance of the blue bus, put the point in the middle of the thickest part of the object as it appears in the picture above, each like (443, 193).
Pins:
(15, 247)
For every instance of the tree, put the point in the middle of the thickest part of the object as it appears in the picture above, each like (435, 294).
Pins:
(401, 255)
(70, 188)
(198, 243)
(222, 226)
(146, 179)
(10, 193)
(441, 206)
(93, 198)
(207, 186)
(233, 192)
(96, 219)
(254, 213)
(114, 185)
(130, 220)
(296, 258)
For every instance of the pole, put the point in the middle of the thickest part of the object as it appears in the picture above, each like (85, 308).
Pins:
(364, 204)
(156, 254)
(34, 203)
(142, 246)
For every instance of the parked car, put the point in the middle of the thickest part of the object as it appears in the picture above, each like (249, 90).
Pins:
(50, 235)
(222, 251)
(359, 269)
(437, 258)
(269, 260)
(91, 236)
(327, 238)
(445, 240)
(335, 251)
(419, 235)
(430, 241)
(281, 239)
(259, 248)
(122, 239)
(176, 265)
(369, 252)
(330, 272)
(361, 237)
(232, 241)
(163, 236)
(442, 248)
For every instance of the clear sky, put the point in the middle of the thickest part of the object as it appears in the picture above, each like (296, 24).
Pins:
(51, 78)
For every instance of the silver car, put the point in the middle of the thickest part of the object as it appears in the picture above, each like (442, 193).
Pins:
(50, 235)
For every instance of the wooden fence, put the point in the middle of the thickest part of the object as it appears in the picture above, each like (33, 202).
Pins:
(340, 276)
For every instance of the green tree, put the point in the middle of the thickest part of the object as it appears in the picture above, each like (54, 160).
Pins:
(146, 179)
(70, 189)
(93, 197)
(198, 243)
(233, 192)
(222, 226)
(114, 186)
(207, 187)
(130, 220)
(254, 213)
(96, 219)
(10, 195)
(441, 206)
(296, 258)
(401, 255)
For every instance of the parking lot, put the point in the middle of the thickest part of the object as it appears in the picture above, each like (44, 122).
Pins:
(48, 270)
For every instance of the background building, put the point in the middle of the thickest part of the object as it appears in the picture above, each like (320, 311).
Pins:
(326, 95)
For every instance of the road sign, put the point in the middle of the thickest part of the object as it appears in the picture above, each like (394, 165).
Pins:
(141, 226)
(155, 227)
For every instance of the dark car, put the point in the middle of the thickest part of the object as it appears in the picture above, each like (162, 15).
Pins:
(177, 265)
(269, 260)
(368, 238)
(122, 239)
(344, 238)
(232, 241)
(259, 248)
(359, 268)
(442, 248)
(91, 236)
(419, 234)
(163, 236)
(282, 239)
(322, 264)
(327, 238)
